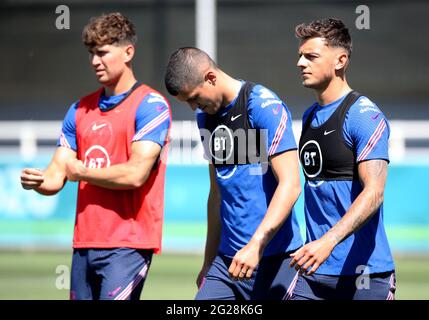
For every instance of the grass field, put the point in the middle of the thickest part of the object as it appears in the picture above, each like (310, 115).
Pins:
(34, 275)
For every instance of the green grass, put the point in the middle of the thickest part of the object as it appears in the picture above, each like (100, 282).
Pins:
(32, 275)
(172, 277)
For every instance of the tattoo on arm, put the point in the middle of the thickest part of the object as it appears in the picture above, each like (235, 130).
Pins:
(373, 176)
(375, 169)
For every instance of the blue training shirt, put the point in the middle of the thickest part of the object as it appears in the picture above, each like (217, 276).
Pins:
(151, 123)
(366, 131)
(246, 190)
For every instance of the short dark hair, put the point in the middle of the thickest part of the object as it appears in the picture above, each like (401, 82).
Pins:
(332, 30)
(112, 28)
(184, 69)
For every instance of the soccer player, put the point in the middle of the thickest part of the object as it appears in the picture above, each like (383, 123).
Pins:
(252, 227)
(344, 155)
(113, 142)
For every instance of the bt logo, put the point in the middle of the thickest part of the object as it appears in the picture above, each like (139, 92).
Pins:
(96, 157)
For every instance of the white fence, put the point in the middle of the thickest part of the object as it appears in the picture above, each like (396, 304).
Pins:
(24, 137)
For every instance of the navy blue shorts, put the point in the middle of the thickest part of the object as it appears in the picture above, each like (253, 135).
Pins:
(109, 274)
(270, 280)
(377, 286)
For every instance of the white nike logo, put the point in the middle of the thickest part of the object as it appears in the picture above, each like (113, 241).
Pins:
(328, 132)
(95, 127)
(235, 117)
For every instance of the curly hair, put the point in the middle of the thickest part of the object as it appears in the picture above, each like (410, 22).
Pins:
(112, 28)
(332, 30)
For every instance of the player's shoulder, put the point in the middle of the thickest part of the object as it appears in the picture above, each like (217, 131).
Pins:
(266, 104)
(364, 118)
(262, 97)
(69, 121)
(365, 108)
(154, 97)
(154, 103)
(75, 104)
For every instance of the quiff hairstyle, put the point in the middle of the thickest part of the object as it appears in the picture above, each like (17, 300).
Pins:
(332, 30)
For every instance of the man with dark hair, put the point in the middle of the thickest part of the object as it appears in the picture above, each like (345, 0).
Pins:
(252, 226)
(344, 155)
(114, 143)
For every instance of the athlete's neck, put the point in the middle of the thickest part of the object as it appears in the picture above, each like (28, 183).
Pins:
(231, 88)
(125, 83)
(333, 91)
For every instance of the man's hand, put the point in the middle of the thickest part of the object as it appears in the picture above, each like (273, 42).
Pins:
(245, 261)
(75, 170)
(312, 254)
(32, 178)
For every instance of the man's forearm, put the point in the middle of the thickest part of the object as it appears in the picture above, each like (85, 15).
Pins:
(278, 211)
(52, 184)
(118, 177)
(212, 244)
(54, 176)
(46, 191)
(362, 209)
(213, 229)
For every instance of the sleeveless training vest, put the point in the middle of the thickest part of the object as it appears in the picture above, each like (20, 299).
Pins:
(108, 218)
(323, 153)
(232, 141)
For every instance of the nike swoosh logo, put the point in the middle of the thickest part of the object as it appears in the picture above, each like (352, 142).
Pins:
(95, 127)
(375, 117)
(328, 132)
(235, 117)
(276, 110)
(159, 108)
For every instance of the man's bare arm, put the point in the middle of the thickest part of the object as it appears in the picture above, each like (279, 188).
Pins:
(372, 174)
(213, 225)
(129, 175)
(285, 167)
(52, 179)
